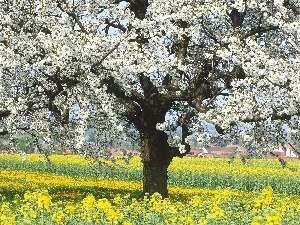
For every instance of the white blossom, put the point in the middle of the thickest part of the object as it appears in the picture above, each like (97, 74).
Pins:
(252, 64)
(182, 149)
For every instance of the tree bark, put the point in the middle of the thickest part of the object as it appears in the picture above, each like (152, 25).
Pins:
(156, 158)
(156, 177)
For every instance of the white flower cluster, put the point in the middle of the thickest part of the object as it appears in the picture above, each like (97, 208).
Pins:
(42, 42)
(162, 126)
(240, 5)
(182, 149)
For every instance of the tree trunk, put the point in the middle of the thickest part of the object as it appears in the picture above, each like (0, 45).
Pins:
(156, 158)
(156, 178)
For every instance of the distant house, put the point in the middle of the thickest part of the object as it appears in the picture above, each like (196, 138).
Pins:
(286, 150)
(240, 150)
(282, 151)
(5, 152)
(221, 151)
(278, 152)
(115, 152)
(9, 151)
(195, 153)
(227, 150)
(66, 151)
(119, 152)
(217, 151)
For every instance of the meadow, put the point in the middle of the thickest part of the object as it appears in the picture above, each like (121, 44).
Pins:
(73, 190)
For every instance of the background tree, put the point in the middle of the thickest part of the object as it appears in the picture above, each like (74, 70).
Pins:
(24, 143)
(68, 66)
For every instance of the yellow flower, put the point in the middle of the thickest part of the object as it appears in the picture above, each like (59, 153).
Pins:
(255, 223)
(117, 200)
(58, 217)
(32, 214)
(5, 206)
(69, 209)
(273, 220)
(28, 196)
(202, 221)
(196, 201)
(3, 217)
(103, 204)
(112, 216)
(127, 223)
(155, 198)
(88, 202)
(43, 200)
(217, 212)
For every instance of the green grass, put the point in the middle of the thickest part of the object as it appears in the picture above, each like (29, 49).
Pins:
(227, 178)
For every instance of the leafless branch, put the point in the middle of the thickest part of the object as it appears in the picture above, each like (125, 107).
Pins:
(117, 26)
(214, 97)
(259, 30)
(95, 65)
(74, 16)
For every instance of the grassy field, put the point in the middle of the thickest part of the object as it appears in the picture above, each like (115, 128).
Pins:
(72, 190)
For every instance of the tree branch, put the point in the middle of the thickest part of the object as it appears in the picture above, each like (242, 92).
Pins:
(74, 16)
(4, 113)
(289, 5)
(95, 65)
(4, 132)
(117, 26)
(259, 30)
(286, 85)
(149, 89)
(132, 112)
(258, 118)
(138, 7)
(114, 88)
(237, 18)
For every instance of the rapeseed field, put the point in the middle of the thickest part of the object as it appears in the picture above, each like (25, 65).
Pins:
(73, 190)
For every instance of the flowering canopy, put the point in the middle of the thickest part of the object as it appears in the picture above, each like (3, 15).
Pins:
(67, 66)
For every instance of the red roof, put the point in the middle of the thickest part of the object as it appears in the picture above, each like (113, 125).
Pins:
(195, 152)
(115, 151)
(119, 152)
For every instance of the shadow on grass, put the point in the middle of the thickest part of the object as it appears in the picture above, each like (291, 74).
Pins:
(77, 194)
(72, 194)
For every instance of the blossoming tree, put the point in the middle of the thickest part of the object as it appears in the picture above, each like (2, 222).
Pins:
(70, 65)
